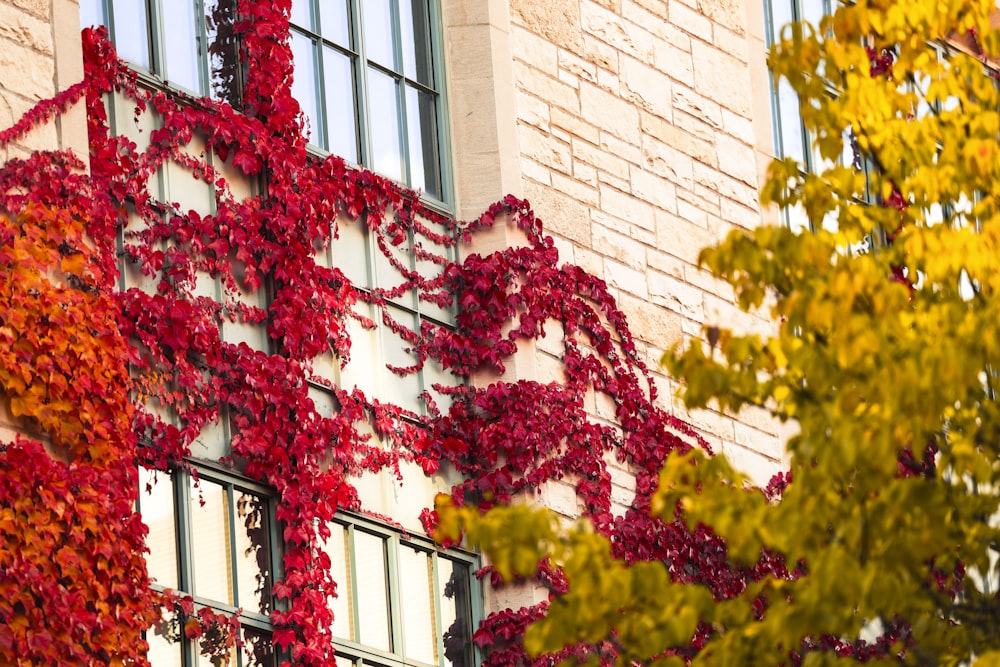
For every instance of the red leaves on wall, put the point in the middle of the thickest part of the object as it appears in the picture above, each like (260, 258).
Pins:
(68, 345)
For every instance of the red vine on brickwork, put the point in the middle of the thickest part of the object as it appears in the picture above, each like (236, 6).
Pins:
(506, 438)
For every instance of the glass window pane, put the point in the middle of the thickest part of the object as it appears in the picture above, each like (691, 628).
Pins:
(373, 598)
(789, 123)
(383, 103)
(416, 590)
(91, 13)
(302, 14)
(781, 15)
(257, 650)
(337, 548)
(415, 35)
(421, 129)
(210, 516)
(157, 510)
(400, 390)
(334, 24)
(456, 620)
(223, 50)
(378, 31)
(341, 129)
(210, 656)
(164, 642)
(253, 560)
(181, 46)
(131, 31)
(304, 83)
(813, 11)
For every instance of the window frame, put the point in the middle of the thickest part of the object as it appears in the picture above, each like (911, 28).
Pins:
(444, 203)
(357, 653)
(157, 73)
(180, 480)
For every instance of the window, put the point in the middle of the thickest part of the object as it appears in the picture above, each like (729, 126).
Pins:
(387, 346)
(188, 44)
(400, 601)
(214, 540)
(368, 72)
(368, 77)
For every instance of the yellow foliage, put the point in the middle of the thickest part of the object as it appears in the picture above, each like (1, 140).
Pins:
(888, 361)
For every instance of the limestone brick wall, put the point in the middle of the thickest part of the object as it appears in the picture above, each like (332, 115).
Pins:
(40, 54)
(643, 131)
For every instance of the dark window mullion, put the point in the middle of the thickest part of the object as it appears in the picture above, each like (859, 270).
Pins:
(182, 490)
(361, 83)
(391, 545)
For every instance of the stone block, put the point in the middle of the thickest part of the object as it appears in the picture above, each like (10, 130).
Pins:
(733, 43)
(690, 21)
(627, 207)
(28, 70)
(532, 110)
(727, 13)
(721, 77)
(542, 53)
(545, 87)
(695, 128)
(26, 29)
(737, 159)
(578, 66)
(572, 123)
(645, 86)
(653, 189)
(667, 162)
(626, 279)
(619, 247)
(535, 171)
(558, 21)
(610, 112)
(560, 213)
(677, 295)
(582, 192)
(545, 149)
(649, 322)
(611, 29)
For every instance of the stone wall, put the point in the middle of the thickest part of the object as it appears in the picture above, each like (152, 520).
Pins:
(643, 131)
(40, 54)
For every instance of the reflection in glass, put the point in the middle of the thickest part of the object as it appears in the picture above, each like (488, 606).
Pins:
(415, 34)
(341, 129)
(373, 597)
(334, 24)
(304, 83)
(419, 623)
(157, 510)
(302, 14)
(384, 121)
(343, 614)
(223, 51)
(791, 122)
(257, 650)
(91, 13)
(181, 49)
(421, 128)
(378, 31)
(456, 612)
(164, 642)
(253, 562)
(210, 516)
(131, 31)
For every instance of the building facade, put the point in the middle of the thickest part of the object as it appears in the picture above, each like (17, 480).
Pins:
(639, 130)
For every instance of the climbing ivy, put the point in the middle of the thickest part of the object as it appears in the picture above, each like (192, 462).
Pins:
(105, 378)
